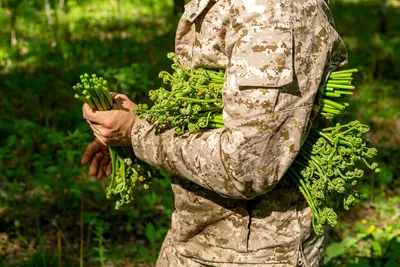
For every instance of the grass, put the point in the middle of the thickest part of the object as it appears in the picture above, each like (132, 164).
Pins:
(46, 199)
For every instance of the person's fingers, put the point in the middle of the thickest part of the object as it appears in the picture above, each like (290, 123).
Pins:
(101, 130)
(90, 151)
(122, 102)
(95, 116)
(99, 175)
(106, 136)
(102, 147)
(106, 151)
(96, 133)
(103, 141)
(109, 168)
(116, 100)
(95, 163)
(100, 169)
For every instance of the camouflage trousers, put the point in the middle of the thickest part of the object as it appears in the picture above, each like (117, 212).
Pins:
(169, 257)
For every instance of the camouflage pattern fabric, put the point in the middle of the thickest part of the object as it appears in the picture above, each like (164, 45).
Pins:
(233, 204)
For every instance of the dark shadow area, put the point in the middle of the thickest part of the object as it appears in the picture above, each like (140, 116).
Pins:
(370, 48)
(45, 193)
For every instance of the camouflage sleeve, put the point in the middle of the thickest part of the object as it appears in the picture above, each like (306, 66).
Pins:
(245, 159)
(268, 96)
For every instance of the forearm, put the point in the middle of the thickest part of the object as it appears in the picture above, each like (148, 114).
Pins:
(196, 156)
(240, 161)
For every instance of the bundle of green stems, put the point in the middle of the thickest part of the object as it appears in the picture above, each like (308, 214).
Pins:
(326, 166)
(128, 172)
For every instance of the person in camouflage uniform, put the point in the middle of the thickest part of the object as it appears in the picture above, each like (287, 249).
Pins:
(233, 204)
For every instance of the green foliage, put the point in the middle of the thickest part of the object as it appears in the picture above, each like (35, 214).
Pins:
(325, 167)
(94, 92)
(377, 242)
(40, 160)
(42, 133)
(128, 172)
(133, 80)
(339, 248)
(193, 99)
(100, 228)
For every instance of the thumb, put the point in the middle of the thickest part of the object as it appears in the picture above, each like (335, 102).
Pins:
(93, 115)
(113, 94)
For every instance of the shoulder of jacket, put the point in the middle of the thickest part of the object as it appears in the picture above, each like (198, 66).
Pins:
(195, 7)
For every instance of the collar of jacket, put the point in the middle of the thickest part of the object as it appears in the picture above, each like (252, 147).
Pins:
(194, 8)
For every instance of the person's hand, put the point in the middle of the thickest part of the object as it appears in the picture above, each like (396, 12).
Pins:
(113, 127)
(97, 156)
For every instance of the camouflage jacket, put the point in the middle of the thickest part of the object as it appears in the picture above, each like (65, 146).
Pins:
(233, 203)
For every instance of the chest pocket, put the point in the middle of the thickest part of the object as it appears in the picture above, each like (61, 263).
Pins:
(264, 57)
(263, 68)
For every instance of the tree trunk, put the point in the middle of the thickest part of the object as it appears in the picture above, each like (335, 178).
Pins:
(56, 21)
(14, 40)
(61, 4)
(179, 6)
(48, 13)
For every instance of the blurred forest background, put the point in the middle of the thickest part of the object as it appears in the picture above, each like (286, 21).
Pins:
(53, 214)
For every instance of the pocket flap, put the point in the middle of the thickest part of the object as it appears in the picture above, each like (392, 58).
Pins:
(264, 57)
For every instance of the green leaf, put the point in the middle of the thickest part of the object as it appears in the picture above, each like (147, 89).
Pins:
(11, 141)
(334, 250)
(396, 199)
(90, 217)
(337, 249)
(151, 233)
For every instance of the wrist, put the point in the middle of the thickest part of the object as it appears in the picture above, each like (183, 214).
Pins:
(135, 130)
(129, 128)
